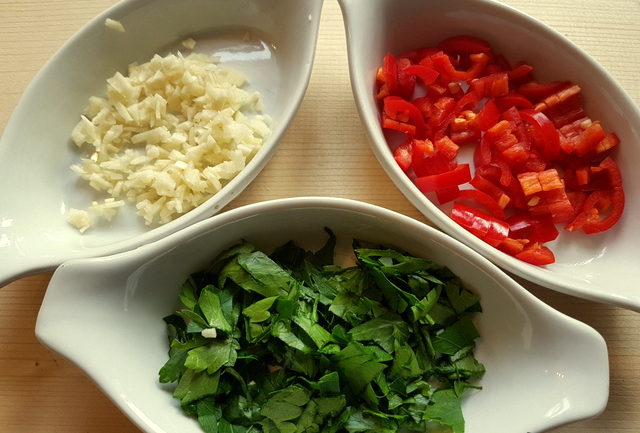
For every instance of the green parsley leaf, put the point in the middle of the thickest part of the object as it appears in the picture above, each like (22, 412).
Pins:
(259, 311)
(455, 337)
(358, 365)
(211, 306)
(446, 410)
(211, 357)
(305, 346)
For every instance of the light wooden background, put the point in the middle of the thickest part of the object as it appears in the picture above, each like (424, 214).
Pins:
(324, 153)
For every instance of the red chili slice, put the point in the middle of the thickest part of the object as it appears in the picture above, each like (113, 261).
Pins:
(512, 100)
(549, 139)
(459, 175)
(446, 195)
(483, 199)
(390, 73)
(402, 155)
(534, 228)
(442, 63)
(536, 254)
(488, 116)
(425, 73)
(488, 228)
(535, 91)
(491, 86)
(601, 211)
(400, 110)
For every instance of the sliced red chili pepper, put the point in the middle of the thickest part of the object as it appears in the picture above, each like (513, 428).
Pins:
(437, 164)
(513, 115)
(482, 153)
(612, 170)
(447, 147)
(607, 143)
(506, 174)
(535, 91)
(498, 131)
(550, 180)
(570, 134)
(402, 155)
(546, 136)
(424, 104)
(390, 73)
(466, 136)
(582, 175)
(560, 96)
(426, 74)
(491, 86)
(536, 254)
(534, 228)
(488, 116)
(468, 102)
(508, 181)
(483, 184)
(577, 199)
(535, 162)
(398, 109)
(465, 44)
(512, 100)
(516, 155)
(490, 229)
(512, 246)
(421, 150)
(601, 211)
(442, 114)
(442, 63)
(530, 183)
(590, 178)
(389, 123)
(589, 139)
(446, 195)
(564, 106)
(522, 72)
(459, 175)
(436, 91)
(483, 199)
(558, 205)
(406, 82)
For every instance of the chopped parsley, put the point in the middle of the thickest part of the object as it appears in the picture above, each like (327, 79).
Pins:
(291, 343)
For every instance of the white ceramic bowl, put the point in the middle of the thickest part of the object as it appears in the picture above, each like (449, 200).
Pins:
(271, 41)
(600, 267)
(544, 369)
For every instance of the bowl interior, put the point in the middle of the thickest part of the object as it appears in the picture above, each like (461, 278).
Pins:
(530, 351)
(599, 267)
(254, 37)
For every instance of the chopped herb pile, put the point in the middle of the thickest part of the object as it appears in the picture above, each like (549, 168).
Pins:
(291, 343)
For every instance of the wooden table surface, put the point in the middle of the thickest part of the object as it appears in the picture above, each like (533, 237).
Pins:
(325, 153)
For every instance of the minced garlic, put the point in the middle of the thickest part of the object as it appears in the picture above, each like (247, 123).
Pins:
(168, 136)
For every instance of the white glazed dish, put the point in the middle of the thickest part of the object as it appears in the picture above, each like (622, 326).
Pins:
(600, 267)
(38, 187)
(544, 369)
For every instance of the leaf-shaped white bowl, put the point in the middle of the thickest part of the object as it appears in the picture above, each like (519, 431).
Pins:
(271, 41)
(105, 314)
(600, 267)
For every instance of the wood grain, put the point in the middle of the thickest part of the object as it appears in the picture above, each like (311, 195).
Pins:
(325, 153)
